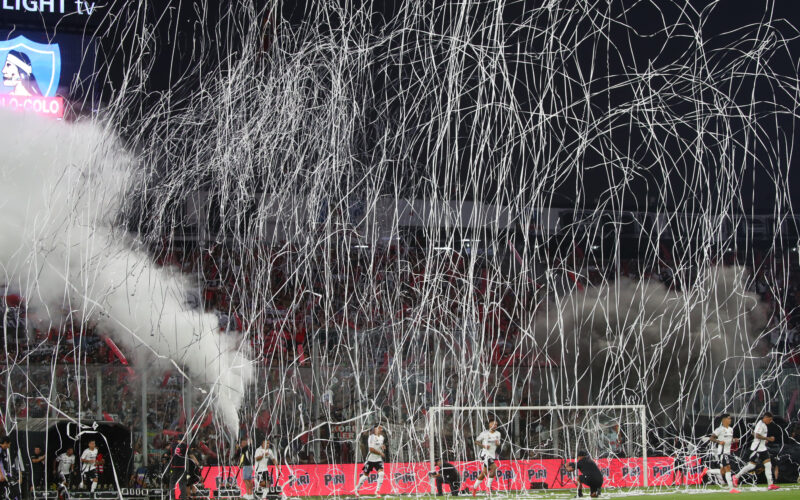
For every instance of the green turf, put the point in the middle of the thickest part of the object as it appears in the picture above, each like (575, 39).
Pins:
(706, 493)
(747, 493)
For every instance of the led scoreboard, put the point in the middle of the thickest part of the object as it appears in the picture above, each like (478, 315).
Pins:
(47, 54)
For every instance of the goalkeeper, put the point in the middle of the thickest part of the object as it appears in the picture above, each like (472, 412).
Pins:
(590, 475)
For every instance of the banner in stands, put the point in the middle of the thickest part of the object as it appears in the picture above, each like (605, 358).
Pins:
(324, 479)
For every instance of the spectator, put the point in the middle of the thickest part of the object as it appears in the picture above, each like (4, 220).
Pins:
(614, 441)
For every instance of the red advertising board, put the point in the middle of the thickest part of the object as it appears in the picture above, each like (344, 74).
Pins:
(327, 479)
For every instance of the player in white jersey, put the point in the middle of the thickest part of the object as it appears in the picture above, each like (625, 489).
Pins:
(65, 464)
(375, 459)
(758, 451)
(723, 437)
(264, 456)
(89, 466)
(488, 440)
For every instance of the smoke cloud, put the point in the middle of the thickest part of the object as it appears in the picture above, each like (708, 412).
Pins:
(655, 343)
(61, 190)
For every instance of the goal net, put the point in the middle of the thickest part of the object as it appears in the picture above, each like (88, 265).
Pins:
(537, 442)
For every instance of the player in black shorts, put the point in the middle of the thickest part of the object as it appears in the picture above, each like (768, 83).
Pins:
(376, 446)
(759, 452)
(447, 474)
(89, 467)
(193, 473)
(590, 475)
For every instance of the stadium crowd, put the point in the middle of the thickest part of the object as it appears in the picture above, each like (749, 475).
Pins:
(287, 325)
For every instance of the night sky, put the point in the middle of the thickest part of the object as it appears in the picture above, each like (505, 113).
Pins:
(641, 35)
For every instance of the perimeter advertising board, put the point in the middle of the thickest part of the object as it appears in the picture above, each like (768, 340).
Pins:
(326, 479)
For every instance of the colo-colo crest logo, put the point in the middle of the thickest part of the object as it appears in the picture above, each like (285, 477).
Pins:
(31, 73)
(30, 69)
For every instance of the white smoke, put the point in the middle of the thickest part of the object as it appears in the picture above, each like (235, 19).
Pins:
(61, 188)
(653, 342)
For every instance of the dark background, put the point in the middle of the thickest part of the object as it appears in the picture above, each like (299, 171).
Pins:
(190, 40)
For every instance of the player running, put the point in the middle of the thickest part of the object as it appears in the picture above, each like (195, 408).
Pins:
(65, 464)
(375, 459)
(723, 437)
(89, 466)
(488, 440)
(759, 453)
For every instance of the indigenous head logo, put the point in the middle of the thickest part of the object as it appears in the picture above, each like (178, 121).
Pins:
(30, 69)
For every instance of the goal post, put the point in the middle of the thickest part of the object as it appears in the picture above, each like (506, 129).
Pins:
(592, 421)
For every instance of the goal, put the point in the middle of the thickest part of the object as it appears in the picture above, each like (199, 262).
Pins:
(544, 433)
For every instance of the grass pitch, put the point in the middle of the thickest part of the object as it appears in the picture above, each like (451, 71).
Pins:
(705, 493)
